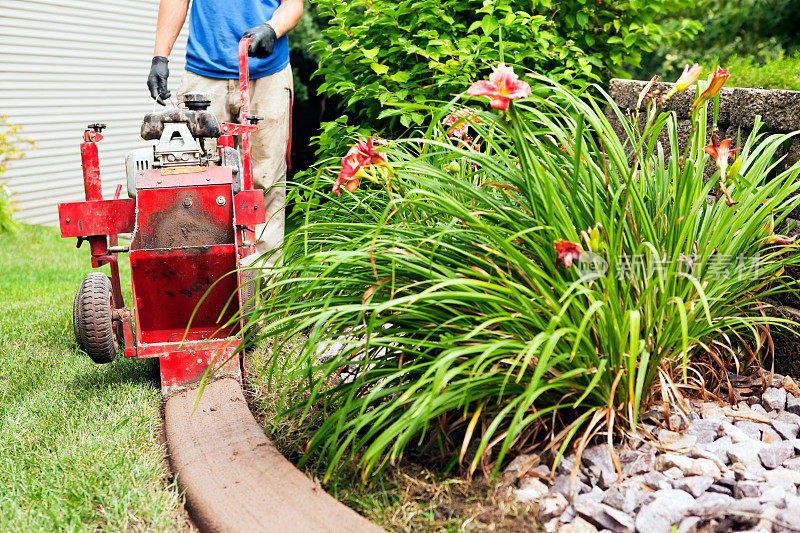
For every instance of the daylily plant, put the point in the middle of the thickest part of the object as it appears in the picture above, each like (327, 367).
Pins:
(355, 162)
(502, 87)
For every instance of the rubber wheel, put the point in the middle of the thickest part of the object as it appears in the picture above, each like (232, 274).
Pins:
(95, 327)
(76, 318)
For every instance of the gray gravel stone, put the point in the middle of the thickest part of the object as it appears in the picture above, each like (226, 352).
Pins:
(747, 489)
(710, 505)
(745, 452)
(551, 506)
(598, 459)
(643, 462)
(595, 495)
(770, 436)
(753, 472)
(787, 431)
(676, 441)
(793, 404)
(781, 474)
(719, 448)
(788, 418)
(694, 485)
(704, 429)
(654, 480)
(775, 493)
(711, 411)
(736, 434)
(792, 464)
(687, 465)
(605, 516)
(749, 428)
(561, 484)
(746, 505)
(688, 524)
(531, 489)
(773, 455)
(774, 399)
(788, 520)
(626, 497)
(565, 464)
(668, 507)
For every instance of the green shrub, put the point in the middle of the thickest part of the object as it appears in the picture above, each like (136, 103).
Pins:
(780, 73)
(10, 148)
(382, 51)
(448, 319)
(761, 30)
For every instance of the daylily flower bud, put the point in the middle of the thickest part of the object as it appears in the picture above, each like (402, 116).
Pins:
(689, 77)
(718, 79)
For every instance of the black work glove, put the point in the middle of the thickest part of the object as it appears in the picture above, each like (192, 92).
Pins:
(264, 38)
(157, 80)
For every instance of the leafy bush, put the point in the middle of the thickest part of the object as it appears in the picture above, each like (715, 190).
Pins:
(761, 30)
(780, 73)
(533, 278)
(10, 149)
(382, 51)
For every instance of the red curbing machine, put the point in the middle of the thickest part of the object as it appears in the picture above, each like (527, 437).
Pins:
(191, 213)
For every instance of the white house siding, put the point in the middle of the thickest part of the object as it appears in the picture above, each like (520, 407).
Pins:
(65, 64)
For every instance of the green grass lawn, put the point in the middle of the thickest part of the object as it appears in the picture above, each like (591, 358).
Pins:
(79, 442)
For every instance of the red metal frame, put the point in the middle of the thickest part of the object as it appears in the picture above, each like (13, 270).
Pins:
(185, 289)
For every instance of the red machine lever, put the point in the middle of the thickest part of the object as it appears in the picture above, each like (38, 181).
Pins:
(244, 111)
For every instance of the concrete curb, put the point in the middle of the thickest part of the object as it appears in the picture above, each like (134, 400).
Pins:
(233, 477)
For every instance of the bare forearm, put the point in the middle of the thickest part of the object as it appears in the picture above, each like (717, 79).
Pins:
(286, 16)
(171, 16)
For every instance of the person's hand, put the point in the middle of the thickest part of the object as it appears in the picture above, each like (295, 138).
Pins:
(157, 80)
(264, 38)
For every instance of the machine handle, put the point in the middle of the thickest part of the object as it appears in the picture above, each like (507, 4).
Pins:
(244, 112)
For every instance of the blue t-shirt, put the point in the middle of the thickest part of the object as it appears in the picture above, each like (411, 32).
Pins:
(215, 28)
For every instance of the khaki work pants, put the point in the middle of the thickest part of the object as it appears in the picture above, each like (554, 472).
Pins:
(270, 97)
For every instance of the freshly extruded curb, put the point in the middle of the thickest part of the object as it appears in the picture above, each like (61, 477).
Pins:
(233, 477)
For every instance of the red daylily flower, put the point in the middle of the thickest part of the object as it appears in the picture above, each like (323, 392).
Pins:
(460, 121)
(567, 252)
(689, 77)
(502, 87)
(718, 79)
(360, 156)
(721, 152)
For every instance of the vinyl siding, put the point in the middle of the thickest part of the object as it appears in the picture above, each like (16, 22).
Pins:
(65, 64)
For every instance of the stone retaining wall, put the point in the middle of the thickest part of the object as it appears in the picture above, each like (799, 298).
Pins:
(780, 113)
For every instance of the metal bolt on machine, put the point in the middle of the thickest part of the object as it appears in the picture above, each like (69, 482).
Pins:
(191, 212)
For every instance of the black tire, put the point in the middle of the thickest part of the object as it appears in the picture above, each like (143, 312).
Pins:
(95, 327)
(76, 318)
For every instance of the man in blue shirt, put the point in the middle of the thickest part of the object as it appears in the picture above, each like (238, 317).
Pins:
(212, 66)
